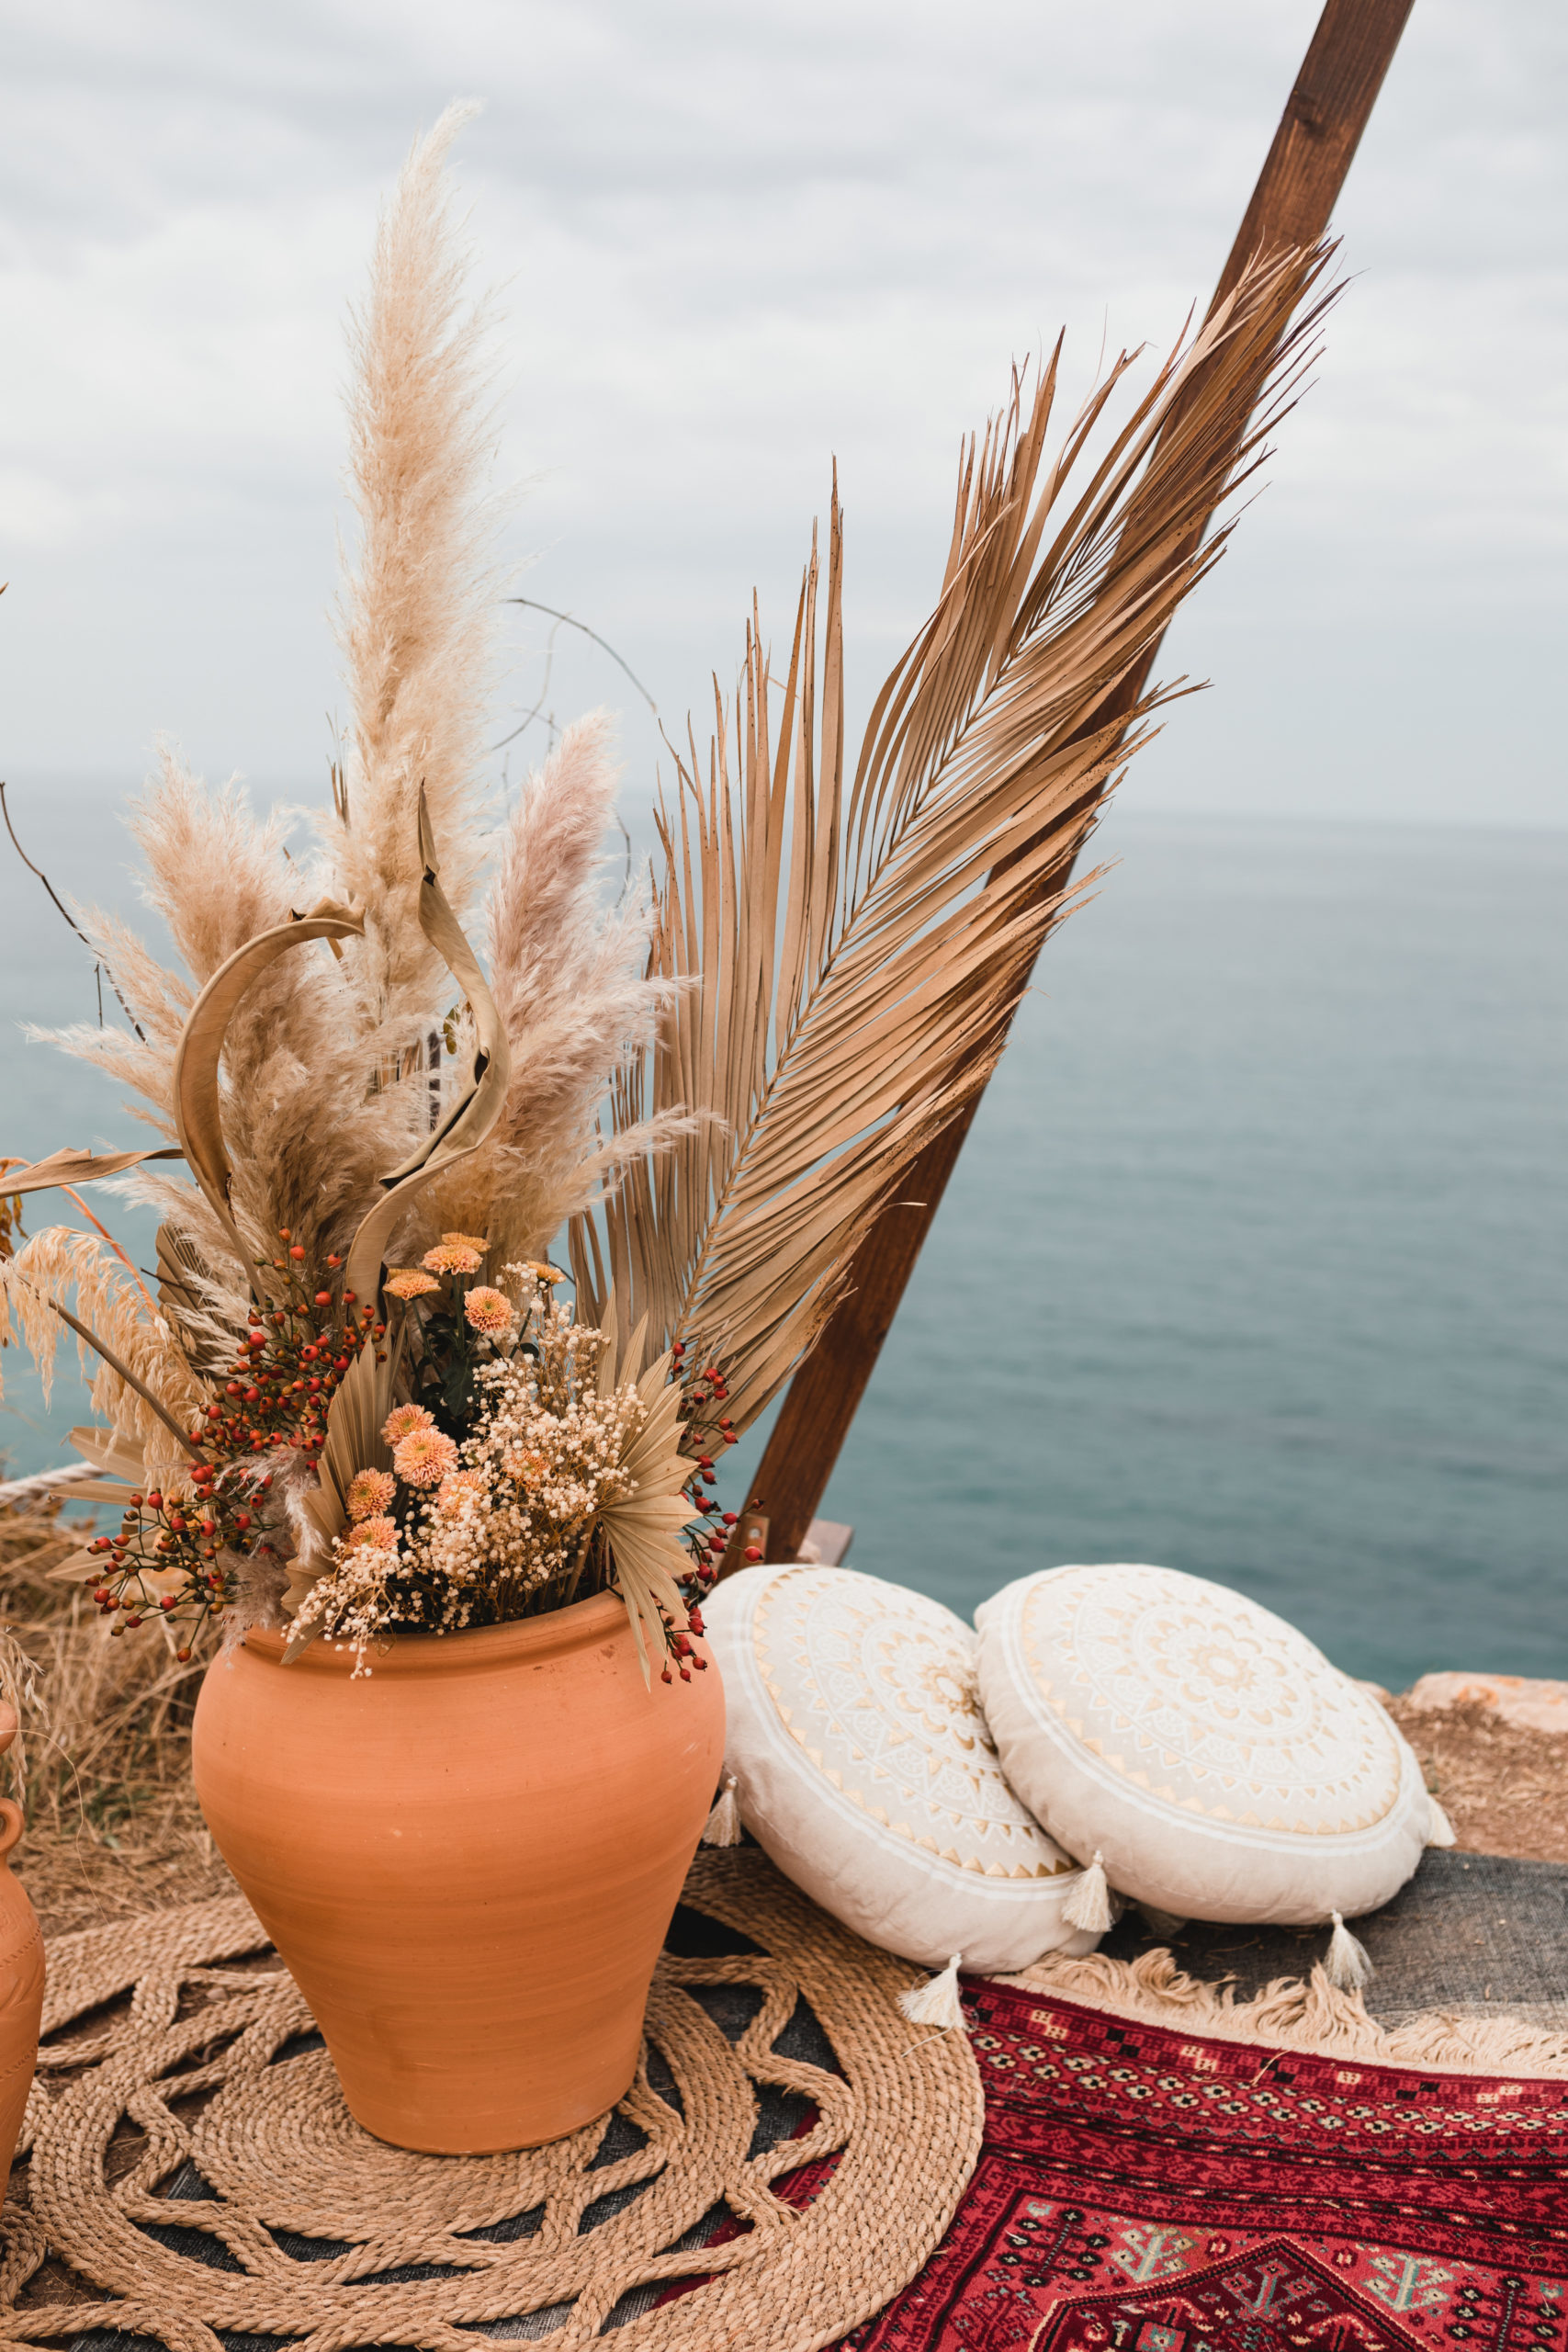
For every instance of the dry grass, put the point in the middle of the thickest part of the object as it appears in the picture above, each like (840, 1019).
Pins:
(103, 1760)
(1504, 1786)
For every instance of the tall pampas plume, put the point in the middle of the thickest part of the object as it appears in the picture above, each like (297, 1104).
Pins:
(572, 985)
(417, 610)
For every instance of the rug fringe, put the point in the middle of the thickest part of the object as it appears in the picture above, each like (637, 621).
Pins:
(1293, 2013)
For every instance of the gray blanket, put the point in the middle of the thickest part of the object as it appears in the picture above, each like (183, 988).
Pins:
(1471, 1933)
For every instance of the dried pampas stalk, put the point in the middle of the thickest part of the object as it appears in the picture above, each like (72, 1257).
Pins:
(38, 1281)
(417, 614)
(295, 1055)
(570, 976)
(852, 952)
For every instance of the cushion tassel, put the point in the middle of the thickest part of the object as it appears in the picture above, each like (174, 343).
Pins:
(1347, 1965)
(724, 1822)
(1088, 1907)
(935, 2002)
(1439, 1828)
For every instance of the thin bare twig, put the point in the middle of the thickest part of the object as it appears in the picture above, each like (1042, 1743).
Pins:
(601, 642)
(529, 717)
(97, 959)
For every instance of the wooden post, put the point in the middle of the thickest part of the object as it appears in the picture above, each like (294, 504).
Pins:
(1318, 134)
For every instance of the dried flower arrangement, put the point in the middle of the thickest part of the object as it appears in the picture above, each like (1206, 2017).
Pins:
(323, 1416)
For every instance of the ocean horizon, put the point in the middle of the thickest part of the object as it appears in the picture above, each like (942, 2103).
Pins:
(1254, 1263)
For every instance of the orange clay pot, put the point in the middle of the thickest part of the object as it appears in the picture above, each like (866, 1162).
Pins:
(468, 1859)
(21, 1975)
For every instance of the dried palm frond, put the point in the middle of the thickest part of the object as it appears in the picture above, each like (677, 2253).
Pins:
(71, 1165)
(852, 957)
(644, 1531)
(417, 617)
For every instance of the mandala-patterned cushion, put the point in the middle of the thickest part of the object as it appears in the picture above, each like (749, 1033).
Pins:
(1219, 1764)
(863, 1767)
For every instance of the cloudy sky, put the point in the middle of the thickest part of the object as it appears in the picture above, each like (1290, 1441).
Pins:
(733, 241)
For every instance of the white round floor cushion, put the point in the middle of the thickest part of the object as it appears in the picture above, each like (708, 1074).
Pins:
(1221, 1766)
(864, 1768)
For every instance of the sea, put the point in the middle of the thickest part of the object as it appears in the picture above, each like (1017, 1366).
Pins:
(1256, 1263)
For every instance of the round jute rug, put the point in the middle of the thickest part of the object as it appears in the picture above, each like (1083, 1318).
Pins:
(788, 2158)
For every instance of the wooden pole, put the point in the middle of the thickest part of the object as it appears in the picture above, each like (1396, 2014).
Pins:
(1318, 134)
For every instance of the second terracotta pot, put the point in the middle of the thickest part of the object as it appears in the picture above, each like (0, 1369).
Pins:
(468, 1859)
(21, 1975)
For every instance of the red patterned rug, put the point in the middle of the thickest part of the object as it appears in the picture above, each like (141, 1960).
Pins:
(1143, 2190)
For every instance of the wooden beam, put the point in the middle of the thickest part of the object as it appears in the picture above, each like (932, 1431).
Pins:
(1318, 134)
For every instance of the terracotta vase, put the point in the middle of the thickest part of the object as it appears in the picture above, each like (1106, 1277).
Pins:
(468, 1858)
(21, 1975)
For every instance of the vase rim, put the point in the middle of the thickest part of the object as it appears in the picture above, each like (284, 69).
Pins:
(599, 1617)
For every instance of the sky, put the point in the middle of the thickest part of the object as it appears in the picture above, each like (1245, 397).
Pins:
(730, 244)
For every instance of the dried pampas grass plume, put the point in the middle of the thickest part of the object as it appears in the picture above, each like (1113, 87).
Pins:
(58, 1261)
(297, 1056)
(570, 982)
(417, 613)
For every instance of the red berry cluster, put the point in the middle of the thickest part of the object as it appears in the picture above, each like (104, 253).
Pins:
(159, 1533)
(709, 1433)
(281, 1381)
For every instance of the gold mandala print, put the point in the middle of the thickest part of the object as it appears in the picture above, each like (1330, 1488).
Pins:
(877, 1687)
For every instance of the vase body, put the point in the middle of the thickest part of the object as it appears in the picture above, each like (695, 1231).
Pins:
(468, 1858)
(21, 1985)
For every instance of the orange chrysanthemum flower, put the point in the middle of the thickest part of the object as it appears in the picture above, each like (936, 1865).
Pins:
(423, 1457)
(407, 1281)
(370, 1491)
(453, 1257)
(488, 1310)
(403, 1419)
(378, 1534)
(529, 1468)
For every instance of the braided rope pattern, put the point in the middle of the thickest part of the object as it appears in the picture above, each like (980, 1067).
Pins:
(287, 2219)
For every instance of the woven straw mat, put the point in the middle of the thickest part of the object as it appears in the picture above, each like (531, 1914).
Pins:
(193, 2159)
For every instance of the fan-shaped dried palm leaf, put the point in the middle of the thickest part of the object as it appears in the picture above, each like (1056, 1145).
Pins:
(644, 1531)
(354, 1442)
(202, 1310)
(854, 958)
